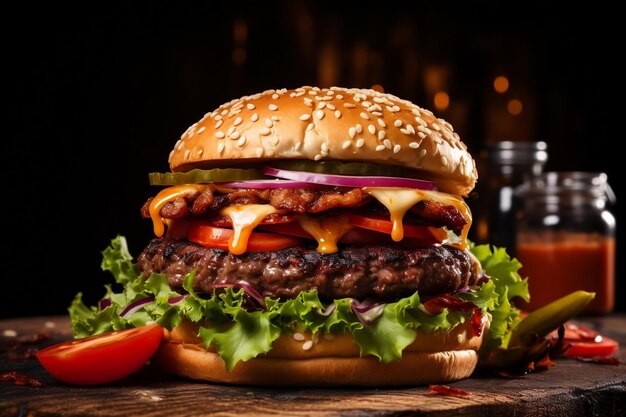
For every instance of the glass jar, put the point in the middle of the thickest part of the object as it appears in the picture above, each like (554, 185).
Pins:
(566, 238)
(506, 165)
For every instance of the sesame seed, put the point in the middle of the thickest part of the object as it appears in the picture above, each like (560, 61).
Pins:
(377, 113)
(9, 333)
(219, 134)
(331, 106)
(307, 100)
(397, 123)
(324, 147)
(421, 135)
(346, 144)
(382, 123)
(349, 105)
(389, 108)
(268, 122)
(396, 148)
(321, 105)
(274, 141)
(414, 145)
(230, 130)
(317, 157)
(387, 143)
(265, 131)
(330, 93)
(272, 107)
(219, 124)
(396, 108)
(364, 116)
(200, 151)
(305, 117)
(220, 147)
(360, 142)
(218, 117)
(352, 132)
(250, 106)
(298, 336)
(380, 148)
(405, 131)
(319, 114)
(435, 126)
(224, 112)
(359, 128)
(307, 345)
(337, 114)
(310, 126)
(275, 118)
(422, 153)
(235, 111)
(308, 103)
(444, 161)
(202, 129)
(254, 117)
(381, 134)
(275, 96)
(241, 141)
(237, 121)
(371, 129)
(234, 135)
(421, 121)
(339, 96)
(409, 127)
(313, 92)
(259, 152)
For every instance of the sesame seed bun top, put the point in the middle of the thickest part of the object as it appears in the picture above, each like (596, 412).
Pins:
(328, 124)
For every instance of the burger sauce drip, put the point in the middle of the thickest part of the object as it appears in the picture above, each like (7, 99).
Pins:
(327, 231)
(399, 200)
(166, 195)
(245, 217)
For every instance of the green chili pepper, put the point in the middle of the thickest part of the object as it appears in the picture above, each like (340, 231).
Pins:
(549, 317)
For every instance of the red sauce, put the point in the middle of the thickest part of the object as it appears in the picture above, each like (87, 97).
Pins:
(570, 262)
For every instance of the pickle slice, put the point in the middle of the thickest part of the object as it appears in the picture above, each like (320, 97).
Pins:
(341, 168)
(200, 176)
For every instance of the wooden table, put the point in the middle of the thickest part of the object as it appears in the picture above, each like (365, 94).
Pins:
(571, 388)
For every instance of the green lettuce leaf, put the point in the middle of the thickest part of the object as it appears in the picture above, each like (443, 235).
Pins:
(239, 335)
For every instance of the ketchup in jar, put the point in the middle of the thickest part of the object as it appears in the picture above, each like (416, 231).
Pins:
(566, 238)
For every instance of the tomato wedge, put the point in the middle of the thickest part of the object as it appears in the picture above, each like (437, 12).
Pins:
(384, 225)
(586, 343)
(217, 237)
(102, 358)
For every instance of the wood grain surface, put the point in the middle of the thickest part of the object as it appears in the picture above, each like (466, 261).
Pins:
(571, 388)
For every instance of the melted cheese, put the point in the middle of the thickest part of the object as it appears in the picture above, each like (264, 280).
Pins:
(326, 231)
(166, 195)
(399, 200)
(245, 217)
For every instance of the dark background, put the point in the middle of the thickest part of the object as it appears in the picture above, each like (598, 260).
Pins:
(96, 97)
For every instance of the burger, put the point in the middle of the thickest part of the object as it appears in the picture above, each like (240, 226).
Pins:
(313, 237)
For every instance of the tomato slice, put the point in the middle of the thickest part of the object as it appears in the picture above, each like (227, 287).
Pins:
(102, 358)
(217, 237)
(586, 343)
(384, 225)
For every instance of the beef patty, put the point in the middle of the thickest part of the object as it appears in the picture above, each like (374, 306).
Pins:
(385, 272)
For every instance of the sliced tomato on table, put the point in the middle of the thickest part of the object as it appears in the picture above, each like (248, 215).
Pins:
(210, 236)
(102, 358)
(586, 343)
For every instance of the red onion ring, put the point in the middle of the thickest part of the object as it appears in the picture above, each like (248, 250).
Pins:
(265, 184)
(367, 312)
(349, 180)
(247, 288)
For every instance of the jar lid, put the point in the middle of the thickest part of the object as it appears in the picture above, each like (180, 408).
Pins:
(513, 152)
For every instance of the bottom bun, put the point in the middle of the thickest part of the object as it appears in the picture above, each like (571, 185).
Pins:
(333, 362)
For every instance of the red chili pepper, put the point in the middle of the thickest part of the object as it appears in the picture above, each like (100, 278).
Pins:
(446, 390)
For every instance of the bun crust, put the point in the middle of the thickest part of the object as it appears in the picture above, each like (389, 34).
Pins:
(328, 124)
(434, 357)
